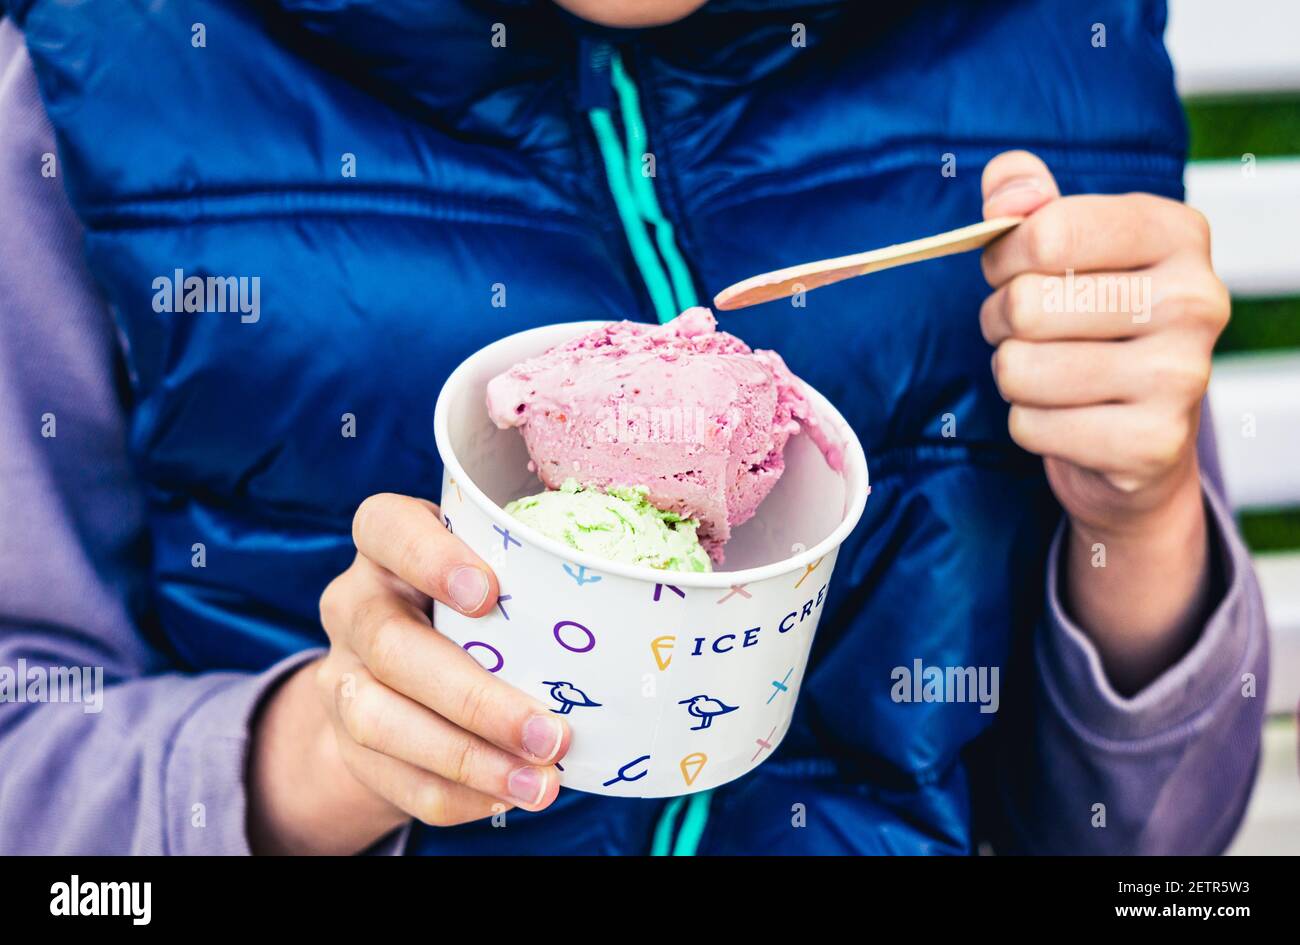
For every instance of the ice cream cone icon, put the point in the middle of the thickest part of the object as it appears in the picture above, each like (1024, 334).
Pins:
(569, 695)
(662, 648)
(692, 765)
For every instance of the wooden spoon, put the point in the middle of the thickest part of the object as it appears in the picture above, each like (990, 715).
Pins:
(786, 282)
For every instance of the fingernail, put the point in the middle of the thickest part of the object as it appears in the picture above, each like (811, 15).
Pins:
(1017, 184)
(542, 734)
(527, 785)
(468, 587)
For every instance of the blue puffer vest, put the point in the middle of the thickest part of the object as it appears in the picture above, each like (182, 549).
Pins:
(391, 171)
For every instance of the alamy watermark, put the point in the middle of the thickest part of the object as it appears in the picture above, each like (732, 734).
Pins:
(181, 293)
(921, 683)
(74, 684)
(78, 898)
(632, 423)
(1089, 294)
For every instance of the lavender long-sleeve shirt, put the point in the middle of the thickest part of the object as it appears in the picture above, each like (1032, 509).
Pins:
(161, 769)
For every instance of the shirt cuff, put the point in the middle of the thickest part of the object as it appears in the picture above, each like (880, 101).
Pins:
(206, 803)
(1072, 668)
(204, 782)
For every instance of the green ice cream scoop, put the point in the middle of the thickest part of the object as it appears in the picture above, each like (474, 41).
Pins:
(617, 524)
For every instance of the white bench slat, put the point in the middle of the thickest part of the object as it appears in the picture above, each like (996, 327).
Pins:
(1253, 221)
(1272, 824)
(1249, 47)
(1279, 579)
(1262, 469)
(1242, 46)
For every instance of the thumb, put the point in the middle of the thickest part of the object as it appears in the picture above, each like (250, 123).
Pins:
(1016, 183)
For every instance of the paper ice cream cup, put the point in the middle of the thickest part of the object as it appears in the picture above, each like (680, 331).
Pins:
(672, 682)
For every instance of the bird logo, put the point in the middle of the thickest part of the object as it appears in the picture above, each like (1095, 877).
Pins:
(705, 708)
(568, 695)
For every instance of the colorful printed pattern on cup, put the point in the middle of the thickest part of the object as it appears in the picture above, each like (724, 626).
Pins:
(668, 690)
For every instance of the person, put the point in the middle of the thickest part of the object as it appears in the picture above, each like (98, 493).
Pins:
(225, 501)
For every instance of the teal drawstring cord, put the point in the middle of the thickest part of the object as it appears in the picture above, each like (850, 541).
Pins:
(648, 203)
(693, 824)
(661, 293)
(670, 292)
(663, 840)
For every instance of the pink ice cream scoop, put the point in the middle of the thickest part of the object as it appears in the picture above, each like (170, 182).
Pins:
(688, 411)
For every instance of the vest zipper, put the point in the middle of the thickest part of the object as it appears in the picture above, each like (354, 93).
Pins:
(667, 278)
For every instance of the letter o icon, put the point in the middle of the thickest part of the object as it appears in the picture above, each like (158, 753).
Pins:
(591, 637)
(501, 660)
